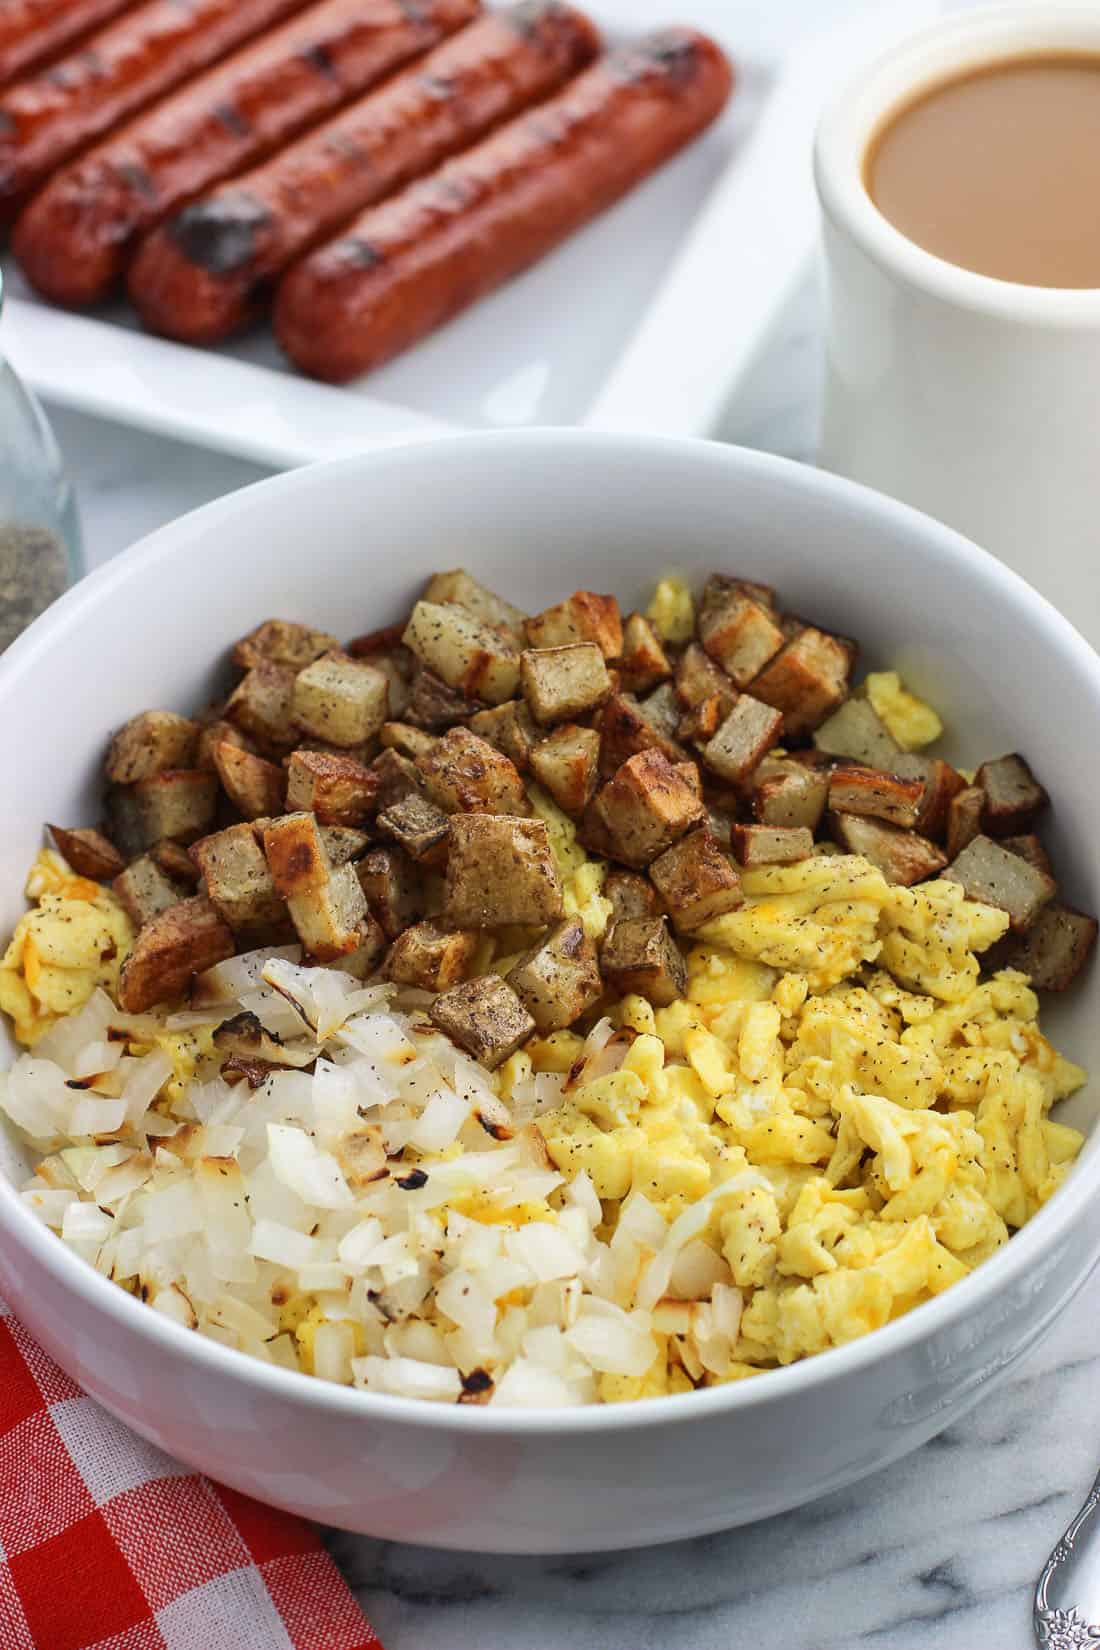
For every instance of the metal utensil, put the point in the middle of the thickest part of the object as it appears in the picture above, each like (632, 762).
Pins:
(1066, 1612)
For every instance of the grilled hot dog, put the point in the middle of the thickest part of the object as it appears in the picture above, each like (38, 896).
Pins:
(32, 31)
(204, 273)
(49, 116)
(74, 238)
(406, 266)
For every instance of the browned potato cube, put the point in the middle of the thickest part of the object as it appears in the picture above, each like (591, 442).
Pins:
(625, 731)
(434, 707)
(215, 733)
(331, 920)
(991, 873)
(584, 617)
(855, 730)
(903, 857)
(941, 784)
(500, 871)
(509, 728)
(281, 642)
(719, 586)
(1013, 796)
(396, 777)
(645, 808)
(339, 790)
(691, 776)
(566, 764)
(431, 957)
(485, 1017)
(745, 737)
(771, 844)
(463, 651)
(796, 797)
(177, 802)
(560, 683)
(405, 739)
(640, 955)
(256, 788)
(340, 699)
(343, 843)
(740, 635)
(260, 705)
(644, 662)
(458, 586)
(558, 978)
(393, 888)
(880, 795)
(702, 722)
(237, 880)
(125, 822)
(88, 853)
(964, 819)
(465, 774)
(185, 940)
(806, 680)
(398, 669)
(155, 740)
(1029, 847)
(176, 862)
(418, 826)
(698, 679)
(295, 854)
(144, 891)
(387, 639)
(662, 708)
(696, 880)
(1054, 950)
(631, 895)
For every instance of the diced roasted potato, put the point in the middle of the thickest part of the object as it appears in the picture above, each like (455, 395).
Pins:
(398, 667)
(855, 730)
(465, 774)
(991, 873)
(332, 920)
(691, 776)
(464, 652)
(339, 790)
(557, 979)
(740, 634)
(645, 808)
(566, 763)
(343, 843)
(696, 880)
(396, 777)
(510, 728)
(144, 891)
(903, 857)
(125, 822)
(719, 585)
(460, 587)
(500, 870)
(771, 844)
(185, 940)
(177, 802)
(386, 639)
(237, 880)
(857, 790)
(640, 955)
(964, 819)
(256, 788)
(295, 854)
(88, 853)
(644, 661)
(340, 699)
(702, 722)
(662, 708)
(149, 743)
(260, 705)
(418, 826)
(560, 683)
(806, 680)
(406, 739)
(698, 679)
(1029, 847)
(791, 798)
(625, 730)
(1013, 796)
(393, 888)
(748, 733)
(583, 617)
(631, 895)
(433, 707)
(176, 862)
(941, 784)
(281, 642)
(214, 733)
(485, 1017)
(1054, 950)
(431, 956)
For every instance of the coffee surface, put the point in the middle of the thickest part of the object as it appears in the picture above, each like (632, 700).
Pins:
(998, 170)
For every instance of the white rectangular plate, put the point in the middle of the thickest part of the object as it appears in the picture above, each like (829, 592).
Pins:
(644, 320)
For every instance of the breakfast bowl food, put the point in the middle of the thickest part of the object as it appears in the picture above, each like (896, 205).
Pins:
(531, 1446)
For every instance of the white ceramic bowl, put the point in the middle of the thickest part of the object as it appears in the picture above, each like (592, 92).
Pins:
(538, 514)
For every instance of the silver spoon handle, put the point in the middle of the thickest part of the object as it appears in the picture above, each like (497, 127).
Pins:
(1067, 1599)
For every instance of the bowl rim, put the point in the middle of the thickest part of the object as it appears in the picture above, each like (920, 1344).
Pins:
(923, 1322)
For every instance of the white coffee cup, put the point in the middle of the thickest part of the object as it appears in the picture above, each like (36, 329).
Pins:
(978, 400)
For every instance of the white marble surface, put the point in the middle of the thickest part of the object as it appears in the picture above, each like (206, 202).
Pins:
(940, 1553)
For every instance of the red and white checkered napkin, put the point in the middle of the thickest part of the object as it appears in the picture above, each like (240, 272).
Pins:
(106, 1544)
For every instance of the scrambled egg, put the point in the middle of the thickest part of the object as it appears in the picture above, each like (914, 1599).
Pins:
(912, 723)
